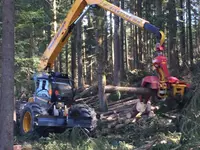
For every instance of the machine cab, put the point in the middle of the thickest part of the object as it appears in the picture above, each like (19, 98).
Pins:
(54, 87)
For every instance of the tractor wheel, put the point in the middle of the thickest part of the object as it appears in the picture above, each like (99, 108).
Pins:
(82, 111)
(28, 117)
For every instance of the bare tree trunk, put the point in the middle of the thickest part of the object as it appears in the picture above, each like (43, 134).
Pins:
(121, 53)
(126, 50)
(60, 62)
(73, 58)
(116, 48)
(190, 32)
(66, 58)
(159, 12)
(182, 34)
(135, 53)
(172, 25)
(111, 40)
(79, 53)
(101, 63)
(105, 38)
(7, 78)
(55, 26)
(84, 59)
(140, 52)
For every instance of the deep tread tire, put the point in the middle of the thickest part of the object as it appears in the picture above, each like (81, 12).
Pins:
(83, 111)
(34, 109)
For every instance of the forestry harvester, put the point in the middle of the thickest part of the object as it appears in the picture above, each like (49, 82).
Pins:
(52, 105)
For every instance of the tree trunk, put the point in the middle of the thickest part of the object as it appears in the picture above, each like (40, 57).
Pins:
(73, 58)
(101, 63)
(79, 53)
(140, 52)
(135, 90)
(159, 13)
(55, 26)
(66, 58)
(7, 79)
(172, 25)
(106, 38)
(60, 62)
(111, 40)
(122, 72)
(190, 32)
(182, 34)
(116, 48)
(126, 50)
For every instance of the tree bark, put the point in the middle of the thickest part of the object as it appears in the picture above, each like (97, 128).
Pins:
(73, 58)
(172, 25)
(55, 26)
(7, 79)
(101, 63)
(159, 12)
(140, 52)
(116, 49)
(122, 72)
(79, 53)
(60, 62)
(190, 32)
(182, 34)
(66, 58)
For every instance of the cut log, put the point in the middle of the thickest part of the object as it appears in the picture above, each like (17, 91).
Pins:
(93, 90)
(135, 90)
(112, 117)
(129, 115)
(17, 147)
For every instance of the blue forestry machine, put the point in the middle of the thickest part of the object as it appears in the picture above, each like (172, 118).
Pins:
(52, 105)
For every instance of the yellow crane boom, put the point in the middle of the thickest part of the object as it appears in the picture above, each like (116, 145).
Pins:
(77, 11)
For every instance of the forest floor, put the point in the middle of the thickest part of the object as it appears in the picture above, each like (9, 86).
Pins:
(116, 130)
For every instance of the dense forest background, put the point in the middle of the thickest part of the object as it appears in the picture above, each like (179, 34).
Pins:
(103, 37)
(103, 44)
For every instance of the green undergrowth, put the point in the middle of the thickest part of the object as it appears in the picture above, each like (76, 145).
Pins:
(131, 136)
(71, 140)
(190, 116)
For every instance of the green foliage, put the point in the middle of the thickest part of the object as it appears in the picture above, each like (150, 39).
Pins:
(24, 68)
(189, 119)
(73, 140)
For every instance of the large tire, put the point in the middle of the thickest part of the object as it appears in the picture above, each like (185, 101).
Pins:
(28, 117)
(82, 111)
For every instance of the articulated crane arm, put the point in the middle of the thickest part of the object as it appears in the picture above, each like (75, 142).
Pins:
(75, 14)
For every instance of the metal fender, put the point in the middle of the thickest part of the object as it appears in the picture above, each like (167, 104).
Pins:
(152, 80)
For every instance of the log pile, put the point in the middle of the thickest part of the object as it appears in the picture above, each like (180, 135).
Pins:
(120, 113)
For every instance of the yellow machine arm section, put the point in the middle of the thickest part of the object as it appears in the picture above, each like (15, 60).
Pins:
(75, 14)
